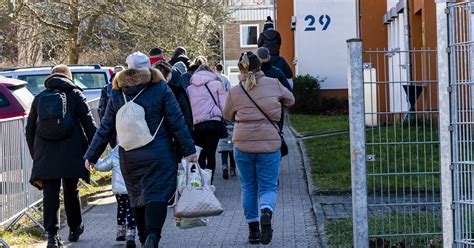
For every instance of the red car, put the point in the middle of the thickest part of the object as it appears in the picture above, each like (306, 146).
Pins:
(15, 98)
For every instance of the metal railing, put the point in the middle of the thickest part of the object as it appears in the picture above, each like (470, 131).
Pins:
(17, 197)
(461, 88)
(3, 244)
(396, 184)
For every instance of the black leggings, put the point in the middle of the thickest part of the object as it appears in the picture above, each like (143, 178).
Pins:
(226, 156)
(150, 219)
(206, 135)
(125, 214)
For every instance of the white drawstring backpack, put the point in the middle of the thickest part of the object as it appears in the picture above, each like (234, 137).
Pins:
(131, 126)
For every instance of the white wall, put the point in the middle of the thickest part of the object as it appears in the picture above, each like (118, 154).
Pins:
(324, 52)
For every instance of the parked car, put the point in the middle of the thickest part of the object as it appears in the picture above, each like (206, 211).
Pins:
(91, 78)
(15, 98)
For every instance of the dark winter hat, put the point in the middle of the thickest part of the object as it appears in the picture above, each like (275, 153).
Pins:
(268, 24)
(263, 54)
(155, 52)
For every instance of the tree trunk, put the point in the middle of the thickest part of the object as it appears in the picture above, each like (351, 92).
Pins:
(73, 54)
(74, 49)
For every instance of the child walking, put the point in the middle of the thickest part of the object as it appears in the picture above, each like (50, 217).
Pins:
(125, 219)
(226, 149)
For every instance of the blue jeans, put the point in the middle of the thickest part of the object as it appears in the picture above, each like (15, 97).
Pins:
(258, 181)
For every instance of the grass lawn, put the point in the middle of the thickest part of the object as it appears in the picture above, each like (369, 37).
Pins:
(308, 125)
(25, 233)
(339, 231)
(399, 152)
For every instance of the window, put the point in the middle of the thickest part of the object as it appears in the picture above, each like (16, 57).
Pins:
(35, 82)
(85, 80)
(24, 97)
(233, 73)
(248, 35)
(90, 80)
(4, 101)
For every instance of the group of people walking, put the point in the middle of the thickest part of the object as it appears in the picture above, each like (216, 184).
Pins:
(182, 104)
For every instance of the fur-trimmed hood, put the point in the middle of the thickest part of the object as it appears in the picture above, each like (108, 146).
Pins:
(135, 77)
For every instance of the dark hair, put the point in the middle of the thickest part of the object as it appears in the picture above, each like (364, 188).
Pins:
(249, 63)
(219, 67)
(269, 19)
(179, 51)
(164, 67)
(155, 51)
(200, 60)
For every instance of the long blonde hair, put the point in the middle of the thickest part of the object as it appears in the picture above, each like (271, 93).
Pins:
(249, 64)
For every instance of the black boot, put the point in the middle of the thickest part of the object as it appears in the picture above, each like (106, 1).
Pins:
(151, 241)
(254, 233)
(74, 234)
(266, 231)
(54, 241)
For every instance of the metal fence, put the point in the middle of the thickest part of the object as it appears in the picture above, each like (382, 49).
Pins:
(398, 109)
(461, 64)
(17, 197)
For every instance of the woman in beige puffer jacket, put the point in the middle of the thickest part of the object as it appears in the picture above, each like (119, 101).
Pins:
(257, 143)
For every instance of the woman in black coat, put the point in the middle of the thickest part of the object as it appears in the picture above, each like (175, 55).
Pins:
(61, 158)
(150, 171)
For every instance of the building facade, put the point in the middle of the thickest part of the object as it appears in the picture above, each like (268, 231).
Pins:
(241, 34)
(314, 33)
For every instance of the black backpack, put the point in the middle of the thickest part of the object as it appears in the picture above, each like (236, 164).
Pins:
(55, 118)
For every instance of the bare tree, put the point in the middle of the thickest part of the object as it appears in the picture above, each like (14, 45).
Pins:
(105, 31)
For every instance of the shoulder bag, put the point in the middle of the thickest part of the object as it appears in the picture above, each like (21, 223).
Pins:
(284, 146)
(223, 128)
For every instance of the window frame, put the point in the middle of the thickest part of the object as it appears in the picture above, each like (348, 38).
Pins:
(241, 32)
(229, 73)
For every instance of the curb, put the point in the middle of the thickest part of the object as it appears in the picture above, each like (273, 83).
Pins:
(97, 199)
(90, 205)
(318, 210)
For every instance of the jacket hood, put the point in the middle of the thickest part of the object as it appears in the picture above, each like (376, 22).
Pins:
(203, 77)
(270, 34)
(136, 77)
(60, 82)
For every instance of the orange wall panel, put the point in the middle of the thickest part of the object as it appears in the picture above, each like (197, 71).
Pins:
(284, 12)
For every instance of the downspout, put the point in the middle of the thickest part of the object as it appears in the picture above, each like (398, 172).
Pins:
(275, 13)
(407, 38)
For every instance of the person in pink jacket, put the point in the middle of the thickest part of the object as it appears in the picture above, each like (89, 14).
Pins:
(207, 96)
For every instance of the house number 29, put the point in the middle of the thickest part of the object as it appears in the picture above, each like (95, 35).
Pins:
(324, 21)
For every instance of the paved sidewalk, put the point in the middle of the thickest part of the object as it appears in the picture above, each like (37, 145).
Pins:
(294, 224)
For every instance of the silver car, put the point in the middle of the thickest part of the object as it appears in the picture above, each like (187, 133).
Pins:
(91, 78)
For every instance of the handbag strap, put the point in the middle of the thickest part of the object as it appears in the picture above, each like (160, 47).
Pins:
(187, 171)
(215, 102)
(260, 109)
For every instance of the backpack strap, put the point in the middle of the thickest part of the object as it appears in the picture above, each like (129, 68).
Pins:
(125, 98)
(161, 122)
